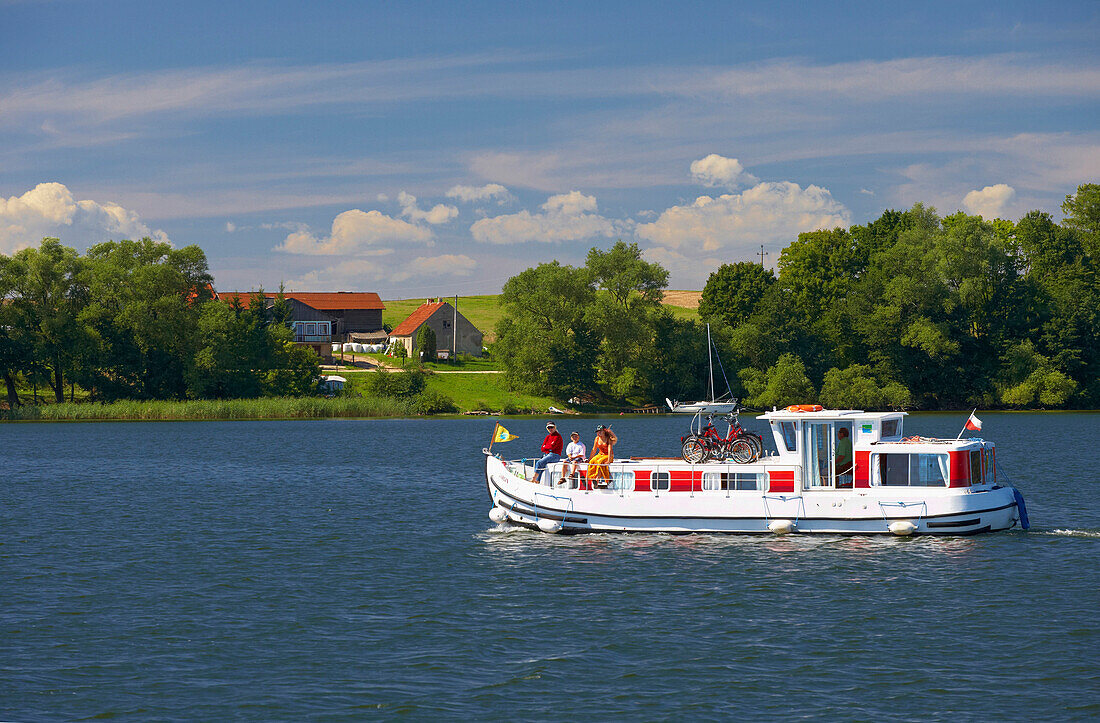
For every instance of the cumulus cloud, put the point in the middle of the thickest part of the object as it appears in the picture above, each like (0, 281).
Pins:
(438, 214)
(716, 170)
(49, 209)
(990, 202)
(356, 232)
(565, 217)
(350, 274)
(443, 265)
(766, 213)
(475, 194)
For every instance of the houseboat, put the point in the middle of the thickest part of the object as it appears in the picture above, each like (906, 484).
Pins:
(833, 472)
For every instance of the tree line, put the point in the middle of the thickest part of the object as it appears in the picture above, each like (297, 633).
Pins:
(136, 320)
(909, 311)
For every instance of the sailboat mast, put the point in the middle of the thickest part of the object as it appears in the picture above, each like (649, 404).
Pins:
(710, 364)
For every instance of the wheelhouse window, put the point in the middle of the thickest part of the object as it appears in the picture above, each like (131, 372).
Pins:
(889, 428)
(990, 466)
(975, 466)
(790, 440)
(741, 481)
(912, 470)
(658, 481)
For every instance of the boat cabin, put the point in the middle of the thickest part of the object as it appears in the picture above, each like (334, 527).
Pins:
(852, 449)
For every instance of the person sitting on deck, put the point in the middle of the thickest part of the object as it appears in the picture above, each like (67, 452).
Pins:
(603, 454)
(574, 454)
(551, 447)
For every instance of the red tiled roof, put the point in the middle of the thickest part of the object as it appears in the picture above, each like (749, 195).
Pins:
(409, 326)
(320, 300)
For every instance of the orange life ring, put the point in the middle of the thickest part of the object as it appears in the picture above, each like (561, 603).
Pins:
(805, 408)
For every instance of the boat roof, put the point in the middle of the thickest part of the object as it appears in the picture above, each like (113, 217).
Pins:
(828, 414)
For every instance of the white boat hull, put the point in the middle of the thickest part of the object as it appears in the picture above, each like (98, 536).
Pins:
(715, 408)
(844, 512)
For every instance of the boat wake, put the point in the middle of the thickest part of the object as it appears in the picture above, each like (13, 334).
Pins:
(1073, 533)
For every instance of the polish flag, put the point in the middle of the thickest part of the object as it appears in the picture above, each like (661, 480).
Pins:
(973, 423)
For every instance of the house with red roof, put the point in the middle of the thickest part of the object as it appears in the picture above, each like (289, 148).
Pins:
(453, 332)
(320, 318)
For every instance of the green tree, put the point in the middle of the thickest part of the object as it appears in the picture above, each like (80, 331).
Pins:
(734, 291)
(783, 384)
(1082, 214)
(48, 293)
(623, 315)
(544, 343)
(16, 353)
(425, 343)
(857, 388)
(142, 313)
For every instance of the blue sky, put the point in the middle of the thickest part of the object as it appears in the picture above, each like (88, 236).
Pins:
(433, 148)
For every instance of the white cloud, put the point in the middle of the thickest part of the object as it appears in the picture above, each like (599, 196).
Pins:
(230, 226)
(438, 214)
(565, 217)
(350, 274)
(356, 232)
(488, 192)
(716, 170)
(444, 265)
(990, 202)
(766, 213)
(49, 209)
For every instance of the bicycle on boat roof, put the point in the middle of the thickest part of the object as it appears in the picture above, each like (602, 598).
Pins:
(739, 444)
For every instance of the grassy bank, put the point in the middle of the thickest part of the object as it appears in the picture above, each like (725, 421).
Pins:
(486, 392)
(265, 408)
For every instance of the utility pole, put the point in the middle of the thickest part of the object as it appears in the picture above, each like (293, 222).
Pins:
(762, 254)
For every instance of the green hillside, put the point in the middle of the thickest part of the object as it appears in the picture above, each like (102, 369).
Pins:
(484, 311)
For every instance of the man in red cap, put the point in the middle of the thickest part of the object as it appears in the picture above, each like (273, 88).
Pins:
(551, 447)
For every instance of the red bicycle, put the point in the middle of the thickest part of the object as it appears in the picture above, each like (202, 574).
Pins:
(739, 444)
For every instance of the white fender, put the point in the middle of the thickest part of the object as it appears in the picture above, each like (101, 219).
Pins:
(549, 525)
(902, 528)
(498, 515)
(781, 527)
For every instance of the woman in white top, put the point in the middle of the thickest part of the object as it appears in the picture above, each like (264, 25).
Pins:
(574, 453)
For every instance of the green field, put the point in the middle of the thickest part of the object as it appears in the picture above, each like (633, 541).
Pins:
(486, 392)
(484, 312)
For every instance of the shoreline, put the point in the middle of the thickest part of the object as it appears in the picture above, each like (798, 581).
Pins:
(282, 409)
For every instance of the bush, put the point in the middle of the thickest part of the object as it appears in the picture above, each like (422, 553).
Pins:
(433, 402)
(401, 385)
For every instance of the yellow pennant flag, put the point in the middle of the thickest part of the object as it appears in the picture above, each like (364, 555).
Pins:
(500, 434)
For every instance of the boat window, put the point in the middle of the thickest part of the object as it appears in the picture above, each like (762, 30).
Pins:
(890, 427)
(893, 469)
(912, 470)
(622, 480)
(975, 466)
(789, 438)
(929, 470)
(990, 467)
(733, 481)
(658, 481)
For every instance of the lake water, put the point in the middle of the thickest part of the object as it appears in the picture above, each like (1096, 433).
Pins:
(331, 570)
